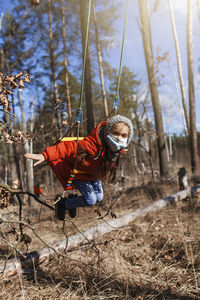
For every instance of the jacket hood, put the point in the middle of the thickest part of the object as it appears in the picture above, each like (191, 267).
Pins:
(96, 135)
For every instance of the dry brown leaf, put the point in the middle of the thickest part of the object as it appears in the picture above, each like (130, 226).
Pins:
(64, 122)
(35, 2)
(16, 183)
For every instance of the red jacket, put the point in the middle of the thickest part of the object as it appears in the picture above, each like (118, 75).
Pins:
(61, 157)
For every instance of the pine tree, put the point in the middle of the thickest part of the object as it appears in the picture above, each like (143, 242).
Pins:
(127, 91)
(147, 44)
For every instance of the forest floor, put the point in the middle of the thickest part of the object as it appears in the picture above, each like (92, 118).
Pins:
(154, 257)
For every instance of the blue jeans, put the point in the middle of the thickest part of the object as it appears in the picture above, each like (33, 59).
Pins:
(91, 193)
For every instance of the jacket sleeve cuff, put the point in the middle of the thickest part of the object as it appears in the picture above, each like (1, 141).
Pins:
(45, 155)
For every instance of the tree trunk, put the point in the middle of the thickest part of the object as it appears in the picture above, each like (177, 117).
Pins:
(100, 61)
(12, 167)
(12, 164)
(167, 149)
(198, 3)
(1, 60)
(28, 162)
(67, 94)
(193, 133)
(52, 66)
(88, 80)
(183, 94)
(31, 142)
(170, 147)
(146, 36)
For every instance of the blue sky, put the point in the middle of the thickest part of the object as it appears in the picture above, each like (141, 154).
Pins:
(169, 92)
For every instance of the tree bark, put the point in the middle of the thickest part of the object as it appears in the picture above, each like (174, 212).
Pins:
(28, 162)
(183, 94)
(13, 172)
(146, 36)
(1, 60)
(193, 134)
(88, 79)
(12, 165)
(99, 54)
(67, 93)
(52, 66)
(198, 3)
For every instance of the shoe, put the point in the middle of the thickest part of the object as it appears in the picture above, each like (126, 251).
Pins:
(72, 211)
(60, 209)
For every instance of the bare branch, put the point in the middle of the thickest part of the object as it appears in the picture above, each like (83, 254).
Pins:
(20, 192)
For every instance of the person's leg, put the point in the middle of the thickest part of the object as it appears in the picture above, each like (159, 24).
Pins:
(88, 197)
(91, 191)
(97, 186)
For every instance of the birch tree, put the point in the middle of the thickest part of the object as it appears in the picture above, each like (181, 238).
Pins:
(183, 93)
(198, 3)
(28, 162)
(193, 134)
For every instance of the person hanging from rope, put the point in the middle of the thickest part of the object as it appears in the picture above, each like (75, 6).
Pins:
(97, 160)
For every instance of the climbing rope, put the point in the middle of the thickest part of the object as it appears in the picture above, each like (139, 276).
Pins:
(85, 54)
(117, 99)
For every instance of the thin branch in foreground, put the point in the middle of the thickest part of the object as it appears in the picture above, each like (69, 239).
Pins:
(9, 244)
(14, 191)
(31, 255)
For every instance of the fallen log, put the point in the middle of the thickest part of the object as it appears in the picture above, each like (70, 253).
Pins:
(35, 258)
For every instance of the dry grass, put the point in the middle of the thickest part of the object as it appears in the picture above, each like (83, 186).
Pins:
(155, 257)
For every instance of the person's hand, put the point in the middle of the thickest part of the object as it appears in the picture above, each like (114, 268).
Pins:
(39, 157)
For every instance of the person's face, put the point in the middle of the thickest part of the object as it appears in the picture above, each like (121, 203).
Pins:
(120, 130)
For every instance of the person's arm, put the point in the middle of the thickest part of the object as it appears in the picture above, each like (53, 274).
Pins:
(60, 151)
(39, 157)
(51, 153)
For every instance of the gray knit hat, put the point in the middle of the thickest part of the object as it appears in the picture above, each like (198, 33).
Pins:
(117, 119)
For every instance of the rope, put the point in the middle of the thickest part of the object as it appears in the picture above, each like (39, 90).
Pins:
(79, 113)
(77, 142)
(85, 54)
(117, 99)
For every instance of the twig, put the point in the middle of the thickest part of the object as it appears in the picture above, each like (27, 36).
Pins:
(109, 208)
(63, 231)
(9, 188)
(90, 242)
(9, 244)
(5, 263)
(20, 214)
(38, 200)
(26, 256)
(20, 192)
